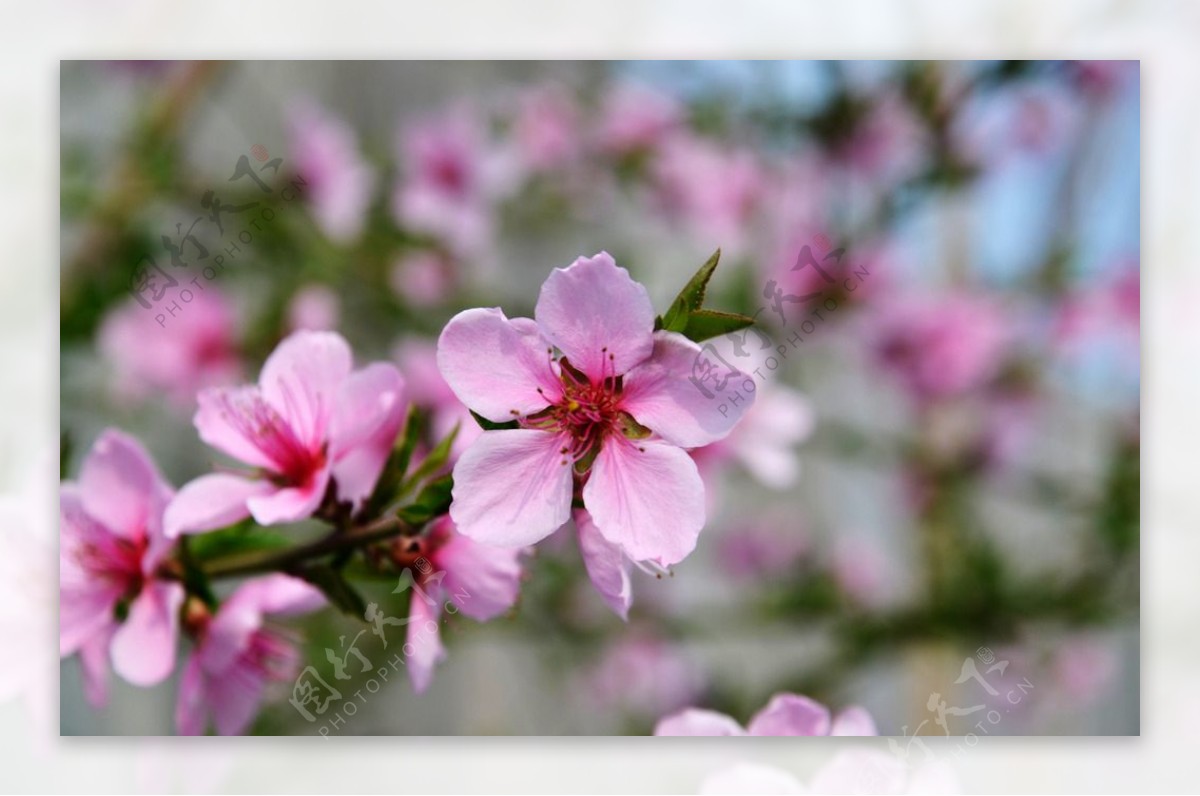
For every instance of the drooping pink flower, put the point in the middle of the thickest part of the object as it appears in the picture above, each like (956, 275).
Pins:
(452, 177)
(941, 346)
(308, 423)
(617, 408)
(635, 117)
(113, 604)
(238, 654)
(785, 714)
(340, 183)
(459, 575)
(152, 353)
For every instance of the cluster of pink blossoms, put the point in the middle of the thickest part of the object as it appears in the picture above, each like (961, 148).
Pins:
(595, 416)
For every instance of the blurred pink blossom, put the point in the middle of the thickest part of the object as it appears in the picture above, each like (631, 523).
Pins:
(644, 676)
(941, 346)
(422, 278)
(452, 177)
(447, 568)
(316, 308)
(113, 603)
(710, 190)
(636, 117)
(1084, 668)
(785, 714)
(194, 349)
(861, 571)
(238, 654)
(547, 128)
(310, 421)
(340, 183)
(763, 547)
(766, 440)
(514, 487)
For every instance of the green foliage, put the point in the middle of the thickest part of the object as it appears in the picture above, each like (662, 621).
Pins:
(433, 501)
(335, 587)
(687, 316)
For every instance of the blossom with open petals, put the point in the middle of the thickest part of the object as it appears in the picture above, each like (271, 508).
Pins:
(613, 413)
(113, 605)
(309, 422)
(237, 654)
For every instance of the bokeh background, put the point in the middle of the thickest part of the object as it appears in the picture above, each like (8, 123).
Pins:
(946, 468)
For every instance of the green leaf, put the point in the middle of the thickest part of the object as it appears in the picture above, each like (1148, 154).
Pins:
(691, 298)
(706, 324)
(433, 502)
(488, 425)
(335, 587)
(434, 462)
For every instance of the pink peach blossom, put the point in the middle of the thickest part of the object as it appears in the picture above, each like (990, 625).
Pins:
(237, 654)
(635, 117)
(340, 183)
(546, 128)
(785, 714)
(941, 346)
(309, 423)
(194, 349)
(711, 191)
(316, 308)
(481, 582)
(422, 278)
(453, 176)
(113, 604)
(644, 676)
(617, 408)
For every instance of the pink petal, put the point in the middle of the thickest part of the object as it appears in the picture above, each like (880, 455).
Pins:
(853, 721)
(143, 648)
(211, 502)
(593, 310)
(791, 714)
(646, 497)
(85, 602)
(482, 581)
(234, 698)
(366, 419)
(695, 722)
(512, 488)
(120, 486)
(496, 365)
(301, 380)
(606, 565)
(659, 393)
(423, 649)
(291, 504)
(94, 656)
(221, 425)
(241, 616)
(191, 710)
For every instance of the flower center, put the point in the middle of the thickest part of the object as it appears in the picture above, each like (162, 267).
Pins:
(587, 412)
